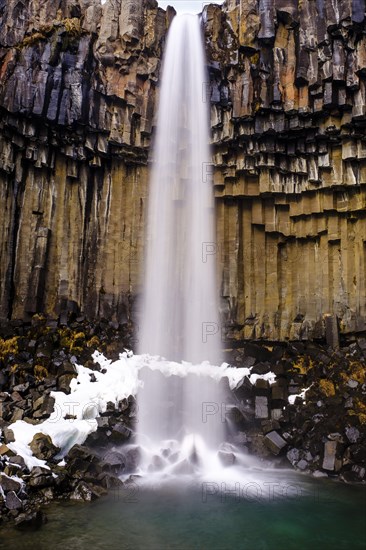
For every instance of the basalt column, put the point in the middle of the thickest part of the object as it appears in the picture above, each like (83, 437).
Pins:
(79, 84)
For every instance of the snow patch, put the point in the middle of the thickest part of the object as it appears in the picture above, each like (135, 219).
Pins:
(74, 415)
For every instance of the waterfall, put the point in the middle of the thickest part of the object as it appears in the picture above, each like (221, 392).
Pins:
(180, 301)
(180, 318)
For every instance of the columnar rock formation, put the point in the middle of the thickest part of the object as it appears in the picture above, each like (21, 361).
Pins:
(78, 94)
(288, 117)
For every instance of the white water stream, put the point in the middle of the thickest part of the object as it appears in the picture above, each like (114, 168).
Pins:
(179, 417)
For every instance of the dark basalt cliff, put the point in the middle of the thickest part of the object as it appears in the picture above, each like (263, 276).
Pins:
(78, 95)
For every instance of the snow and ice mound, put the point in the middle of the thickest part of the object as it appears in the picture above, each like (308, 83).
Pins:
(74, 416)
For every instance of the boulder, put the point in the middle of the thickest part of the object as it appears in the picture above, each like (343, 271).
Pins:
(261, 406)
(81, 463)
(8, 435)
(18, 461)
(132, 457)
(66, 367)
(21, 388)
(261, 368)
(120, 433)
(5, 451)
(87, 492)
(63, 382)
(40, 478)
(359, 471)
(269, 426)
(226, 458)
(4, 379)
(31, 519)
(302, 464)
(358, 452)
(293, 456)
(279, 392)
(261, 387)
(329, 458)
(274, 442)
(103, 422)
(9, 484)
(42, 447)
(43, 406)
(114, 462)
(12, 502)
(352, 434)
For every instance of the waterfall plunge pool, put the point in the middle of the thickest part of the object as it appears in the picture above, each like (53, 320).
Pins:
(281, 510)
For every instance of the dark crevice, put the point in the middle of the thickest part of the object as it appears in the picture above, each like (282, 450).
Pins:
(13, 241)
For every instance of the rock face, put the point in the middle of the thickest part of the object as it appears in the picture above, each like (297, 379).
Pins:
(288, 106)
(77, 99)
(286, 85)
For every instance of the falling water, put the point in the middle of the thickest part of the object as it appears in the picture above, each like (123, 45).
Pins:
(180, 288)
(180, 310)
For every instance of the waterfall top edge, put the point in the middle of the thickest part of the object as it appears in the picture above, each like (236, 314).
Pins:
(187, 14)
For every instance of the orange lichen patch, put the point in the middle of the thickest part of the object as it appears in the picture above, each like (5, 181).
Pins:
(72, 28)
(254, 59)
(14, 368)
(327, 387)
(358, 371)
(32, 39)
(355, 370)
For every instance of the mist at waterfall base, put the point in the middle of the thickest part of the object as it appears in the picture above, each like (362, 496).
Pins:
(179, 426)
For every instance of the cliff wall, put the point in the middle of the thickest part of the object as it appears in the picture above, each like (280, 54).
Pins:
(288, 114)
(286, 86)
(77, 97)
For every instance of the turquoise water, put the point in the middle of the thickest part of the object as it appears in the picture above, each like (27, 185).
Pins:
(281, 511)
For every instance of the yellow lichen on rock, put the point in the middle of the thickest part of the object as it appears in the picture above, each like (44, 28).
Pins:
(327, 387)
(8, 346)
(94, 343)
(40, 373)
(32, 40)
(71, 340)
(72, 26)
(303, 365)
(359, 410)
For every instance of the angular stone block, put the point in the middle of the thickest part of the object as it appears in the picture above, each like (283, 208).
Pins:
(261, 406)
(275, 442)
